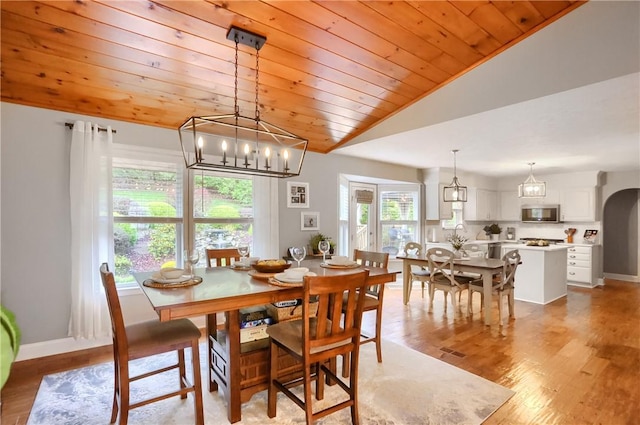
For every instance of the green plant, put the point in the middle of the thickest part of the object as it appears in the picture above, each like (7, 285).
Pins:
(9, 342)
(493, 229)
(315, 239)
(123, 265)
(163, 241)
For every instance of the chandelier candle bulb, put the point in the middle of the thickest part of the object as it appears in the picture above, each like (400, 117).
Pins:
(246, 155)
(224, 152)
(286, 160)
(267, 153)
(199, 151)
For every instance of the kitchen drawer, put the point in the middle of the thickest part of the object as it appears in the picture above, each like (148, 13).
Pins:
(579, 274)
(579, 250)
(579, 263)
(573, 256)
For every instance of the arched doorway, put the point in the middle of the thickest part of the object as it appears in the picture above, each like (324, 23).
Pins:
(621, 253)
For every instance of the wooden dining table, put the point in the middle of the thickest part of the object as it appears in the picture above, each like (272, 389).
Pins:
(240, 370)
(486, 267)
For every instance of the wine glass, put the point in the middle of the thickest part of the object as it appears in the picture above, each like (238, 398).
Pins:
(243, 250)
(191, 258)
(324, 247)
(298, 253)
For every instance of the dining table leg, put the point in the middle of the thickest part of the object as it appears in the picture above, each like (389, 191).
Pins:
(487, 282)
(233, 374)
(406, 281)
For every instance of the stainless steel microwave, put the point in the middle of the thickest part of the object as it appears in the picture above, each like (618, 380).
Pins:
(540, 213)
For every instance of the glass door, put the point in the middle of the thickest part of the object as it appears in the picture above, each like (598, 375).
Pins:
(362, 217)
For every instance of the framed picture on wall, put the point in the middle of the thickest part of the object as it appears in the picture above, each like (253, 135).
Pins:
(309, 220)
(297, 195)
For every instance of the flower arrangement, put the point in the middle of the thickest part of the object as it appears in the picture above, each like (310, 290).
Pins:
(457, 241)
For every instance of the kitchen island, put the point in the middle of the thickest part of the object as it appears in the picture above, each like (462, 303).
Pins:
(542, 276)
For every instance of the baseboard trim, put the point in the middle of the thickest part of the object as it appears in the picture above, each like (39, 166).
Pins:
(625, 277)
(67, 345)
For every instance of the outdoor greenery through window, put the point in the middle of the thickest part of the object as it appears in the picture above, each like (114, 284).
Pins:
(398, 217)
(223, 212)
(147, 215)
(153, 221)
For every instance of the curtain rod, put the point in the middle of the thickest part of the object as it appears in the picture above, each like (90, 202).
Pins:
(70, 125)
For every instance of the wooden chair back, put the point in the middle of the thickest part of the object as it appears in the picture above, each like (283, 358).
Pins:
(511, 260)
(222, 257)
(334, 295)
(372, 259)
(413, 248)
(119, 332)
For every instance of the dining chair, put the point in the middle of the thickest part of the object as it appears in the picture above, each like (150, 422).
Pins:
(146, 339)
(374, 295)
(314, 341)
(503, 285)
(222, 256)
(444, 276)
(420, 274)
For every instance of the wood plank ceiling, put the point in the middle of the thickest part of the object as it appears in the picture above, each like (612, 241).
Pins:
(328, 71)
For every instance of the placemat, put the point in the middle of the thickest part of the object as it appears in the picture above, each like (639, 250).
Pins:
(153, 284)
(337, 266)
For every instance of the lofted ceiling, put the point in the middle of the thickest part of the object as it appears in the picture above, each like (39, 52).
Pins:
(329, 71)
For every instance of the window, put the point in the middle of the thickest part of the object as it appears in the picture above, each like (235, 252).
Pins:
(222, 211)
(399, 210)
(155, 219)
(147, 215)
(456, 218)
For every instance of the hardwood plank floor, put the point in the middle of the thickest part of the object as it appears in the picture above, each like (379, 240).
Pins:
(573, 361)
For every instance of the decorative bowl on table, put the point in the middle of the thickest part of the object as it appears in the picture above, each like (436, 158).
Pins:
(270, 266)
(171, 273)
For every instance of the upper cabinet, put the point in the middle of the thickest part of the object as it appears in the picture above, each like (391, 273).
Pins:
(481, 205)
(436, 208)
(509, 206)
(578, 204)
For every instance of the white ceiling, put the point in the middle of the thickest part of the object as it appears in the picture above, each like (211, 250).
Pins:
(567, 98)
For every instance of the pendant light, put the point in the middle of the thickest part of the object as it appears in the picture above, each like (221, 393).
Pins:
(531, 188)
(455, 192)
(237, 144)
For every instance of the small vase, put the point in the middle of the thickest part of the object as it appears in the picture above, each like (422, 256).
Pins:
(569, 238)
(495, 236)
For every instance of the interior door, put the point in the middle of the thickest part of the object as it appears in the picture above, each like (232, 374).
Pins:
(362, 217)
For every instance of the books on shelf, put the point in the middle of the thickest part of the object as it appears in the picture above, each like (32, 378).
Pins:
(257, 322)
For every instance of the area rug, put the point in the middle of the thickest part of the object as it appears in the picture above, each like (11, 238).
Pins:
(407, 388)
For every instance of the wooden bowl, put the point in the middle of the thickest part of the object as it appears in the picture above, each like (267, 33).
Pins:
(266, 268)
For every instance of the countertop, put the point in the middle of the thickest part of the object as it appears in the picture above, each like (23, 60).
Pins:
(522, 246)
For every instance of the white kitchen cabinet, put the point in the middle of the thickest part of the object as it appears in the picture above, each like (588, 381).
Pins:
(583, 265)
(578, 204)
(481, 205)
(436, 208)
(508, 206)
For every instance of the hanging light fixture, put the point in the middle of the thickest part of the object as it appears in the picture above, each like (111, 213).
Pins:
(531, 188)
(234, 143)
(455, 192)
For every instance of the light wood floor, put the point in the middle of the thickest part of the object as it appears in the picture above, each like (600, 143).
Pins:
(574, 361)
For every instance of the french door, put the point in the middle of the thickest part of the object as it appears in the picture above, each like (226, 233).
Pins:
(362, 217)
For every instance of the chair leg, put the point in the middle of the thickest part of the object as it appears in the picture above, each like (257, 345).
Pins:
(183, 372)
(511, 305)
(432, 291)
(422, 282)
(353, 388)
(500, 309)
(308, 404)
(197, 383)
(378, 333)
(124, 394)
(470, 303)
(116, 390)
(346, 364)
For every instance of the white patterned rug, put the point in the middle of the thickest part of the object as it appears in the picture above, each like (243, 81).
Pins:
(407, 388)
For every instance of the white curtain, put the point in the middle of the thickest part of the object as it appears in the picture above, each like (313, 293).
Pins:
(91, 229)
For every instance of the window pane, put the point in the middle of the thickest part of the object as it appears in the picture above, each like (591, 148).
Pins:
(396, 205)
(147, 210)
(223, 210)
(146, 189)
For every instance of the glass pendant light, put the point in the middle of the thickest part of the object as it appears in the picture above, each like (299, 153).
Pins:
(531, 188)
(455, 192)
